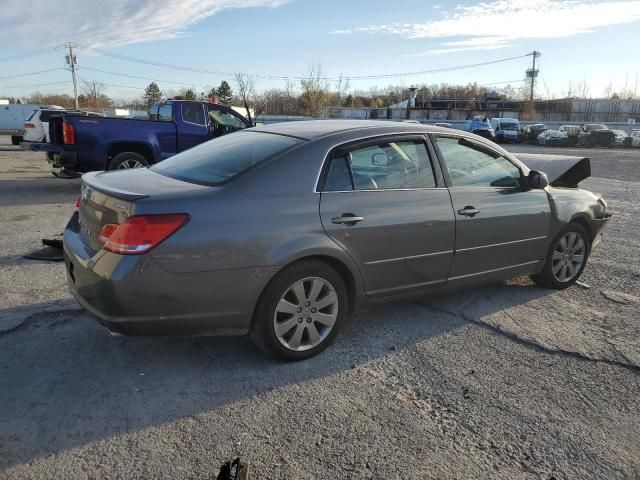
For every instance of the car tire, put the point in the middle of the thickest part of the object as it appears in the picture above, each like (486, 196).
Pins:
(15, 140)
(127, 160)
(307, 326)
(561, 269)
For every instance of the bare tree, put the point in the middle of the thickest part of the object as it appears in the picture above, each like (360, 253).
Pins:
(315, 91)
(247, 95)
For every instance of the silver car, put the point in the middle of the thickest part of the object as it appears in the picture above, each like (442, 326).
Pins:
(283, 231)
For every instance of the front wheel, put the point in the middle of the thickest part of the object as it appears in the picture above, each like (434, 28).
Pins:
(566, 260)
(301, 311)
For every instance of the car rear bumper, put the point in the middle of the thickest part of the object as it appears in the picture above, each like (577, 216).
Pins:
(134, 295)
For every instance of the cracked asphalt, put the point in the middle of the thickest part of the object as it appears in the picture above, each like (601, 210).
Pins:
(503, 381)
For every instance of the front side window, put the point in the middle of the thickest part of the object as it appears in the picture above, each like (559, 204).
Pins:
(474, 165)
(193, 113)
(217, 161)
(222, 122)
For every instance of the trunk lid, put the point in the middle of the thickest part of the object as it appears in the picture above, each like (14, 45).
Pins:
(110, 197)
(561, 170)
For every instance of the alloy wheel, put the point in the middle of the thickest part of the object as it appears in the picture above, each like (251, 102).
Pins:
(568, 257)
(131, 163)
(305, 314)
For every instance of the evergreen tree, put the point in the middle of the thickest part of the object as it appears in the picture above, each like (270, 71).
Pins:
(224, 93)
(152, 94)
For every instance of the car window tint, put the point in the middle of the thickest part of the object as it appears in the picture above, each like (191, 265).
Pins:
(165, 113)
(338, 177)
(32, 114)
(476, 166)
(223, 122)
(221, 159)
(193, 112)
(403, 164)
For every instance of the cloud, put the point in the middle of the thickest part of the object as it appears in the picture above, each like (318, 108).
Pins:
(488, 26)
(108, 23)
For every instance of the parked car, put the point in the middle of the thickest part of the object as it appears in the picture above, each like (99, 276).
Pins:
(507, 130)
(595, 135)
(481, 126)
(36, 126)
(572, 132)
(635, 138)
(283, 231)
(532, 131)
(553, 138)
(80, 144)
(622, 138)
(12, 118)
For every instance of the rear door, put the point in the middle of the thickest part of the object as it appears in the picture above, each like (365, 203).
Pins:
(381, 201)
(500, 225)
(193, 128)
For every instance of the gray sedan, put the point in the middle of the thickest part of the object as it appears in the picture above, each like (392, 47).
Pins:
(283, 231)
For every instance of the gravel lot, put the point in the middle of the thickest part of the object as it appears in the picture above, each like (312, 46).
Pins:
(505, 381)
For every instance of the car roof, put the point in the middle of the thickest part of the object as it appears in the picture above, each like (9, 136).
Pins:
(314, 129)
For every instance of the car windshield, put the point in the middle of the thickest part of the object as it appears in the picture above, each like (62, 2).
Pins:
(509, 126)
(595, 126)
(218, 161)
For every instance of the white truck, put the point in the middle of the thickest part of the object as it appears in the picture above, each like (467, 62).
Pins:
(12, 117)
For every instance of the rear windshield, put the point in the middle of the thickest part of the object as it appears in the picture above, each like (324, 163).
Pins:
(218, 161)
(32, 114)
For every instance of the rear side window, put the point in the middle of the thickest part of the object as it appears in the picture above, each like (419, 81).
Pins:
(220, 160)
(193, 113)
(32, 115)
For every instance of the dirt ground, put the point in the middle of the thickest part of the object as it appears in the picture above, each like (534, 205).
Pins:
(504, 381)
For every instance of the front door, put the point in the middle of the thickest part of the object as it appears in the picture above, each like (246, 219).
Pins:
(381, 202)
(500, 226)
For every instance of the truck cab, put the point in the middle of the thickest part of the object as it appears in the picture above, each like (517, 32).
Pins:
(507, 130)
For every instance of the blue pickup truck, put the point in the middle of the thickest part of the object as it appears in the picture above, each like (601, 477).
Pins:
(83, 144)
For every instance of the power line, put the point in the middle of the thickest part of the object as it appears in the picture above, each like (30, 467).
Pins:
(27, 54)
(142, 78)
(284, 77)
(32, 73)
(34, 84)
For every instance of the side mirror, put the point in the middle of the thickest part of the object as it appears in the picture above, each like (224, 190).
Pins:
(537, 180)
(379, 159)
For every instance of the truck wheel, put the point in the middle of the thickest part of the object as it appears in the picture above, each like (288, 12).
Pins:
(15, 140)
(126, 160)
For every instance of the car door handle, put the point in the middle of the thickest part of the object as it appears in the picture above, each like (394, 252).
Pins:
(468, 211)
(348, 219)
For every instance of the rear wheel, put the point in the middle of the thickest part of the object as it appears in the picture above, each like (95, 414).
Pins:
(301, 311)
(127, 160)
(15, 140)
(566, 260)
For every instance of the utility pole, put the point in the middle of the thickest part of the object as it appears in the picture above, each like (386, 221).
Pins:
(533, 73)
(95, 96)
(73, 61)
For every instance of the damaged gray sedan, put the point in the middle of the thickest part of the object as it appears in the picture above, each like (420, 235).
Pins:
(283, 231)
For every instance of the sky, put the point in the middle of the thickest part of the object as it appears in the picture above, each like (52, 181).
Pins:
(592, 42)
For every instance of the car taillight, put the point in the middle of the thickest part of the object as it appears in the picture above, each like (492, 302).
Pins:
(140, 233)
(68, 133)
(29, 125)
(78, 203)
